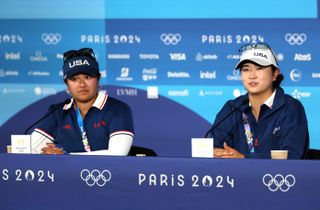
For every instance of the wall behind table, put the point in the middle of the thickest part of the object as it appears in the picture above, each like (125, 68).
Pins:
(172, 64)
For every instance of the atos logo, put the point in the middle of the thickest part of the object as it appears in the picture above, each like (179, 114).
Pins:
(78, 63)
(178, 56)
(302, 57)
(295, 75)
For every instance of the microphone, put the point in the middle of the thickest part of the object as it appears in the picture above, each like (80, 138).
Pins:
(52, 109)
(236, 108)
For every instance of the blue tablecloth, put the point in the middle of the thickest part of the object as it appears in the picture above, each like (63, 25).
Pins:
(100, 182)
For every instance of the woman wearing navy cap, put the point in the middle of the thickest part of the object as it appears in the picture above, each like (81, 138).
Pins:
(265, 118)
(91, 123)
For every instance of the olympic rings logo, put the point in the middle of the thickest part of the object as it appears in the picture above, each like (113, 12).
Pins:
(95, 177)
(51, 38)
(279, 182)
(295, 39)
(170, 39)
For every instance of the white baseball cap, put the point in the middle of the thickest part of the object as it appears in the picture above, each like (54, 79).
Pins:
(259, 53)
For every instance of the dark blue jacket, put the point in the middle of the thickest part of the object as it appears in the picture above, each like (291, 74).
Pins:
(107, 117)
(283, 126)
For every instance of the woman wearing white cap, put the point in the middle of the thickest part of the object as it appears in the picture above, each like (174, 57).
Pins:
(91, 122)
(265, 118)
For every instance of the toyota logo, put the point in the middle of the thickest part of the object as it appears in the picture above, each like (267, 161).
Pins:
(170, 39)
(95, 177)
(295, 38)
(51, 38)
(278, 182)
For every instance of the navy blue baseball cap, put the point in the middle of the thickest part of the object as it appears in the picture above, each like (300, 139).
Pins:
(80, 62)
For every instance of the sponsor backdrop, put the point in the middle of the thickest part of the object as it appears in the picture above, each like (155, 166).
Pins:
(172, 62)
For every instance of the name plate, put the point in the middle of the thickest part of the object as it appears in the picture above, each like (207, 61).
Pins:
(202, 147)
(21, 144)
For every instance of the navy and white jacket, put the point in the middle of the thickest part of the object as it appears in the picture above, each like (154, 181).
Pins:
(280, 126)
(106, 118)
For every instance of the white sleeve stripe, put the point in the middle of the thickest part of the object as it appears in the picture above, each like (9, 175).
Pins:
(44, 134)
(121, 132)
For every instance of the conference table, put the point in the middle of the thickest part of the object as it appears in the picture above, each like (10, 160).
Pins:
(143, 183)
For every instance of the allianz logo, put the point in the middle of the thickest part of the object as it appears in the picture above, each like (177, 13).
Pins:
(208, 75)
(178, 56)
(178, 93)
(302, 57)
(178, 74)
(12, 56)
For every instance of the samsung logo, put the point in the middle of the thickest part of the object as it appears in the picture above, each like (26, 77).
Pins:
(119, 56)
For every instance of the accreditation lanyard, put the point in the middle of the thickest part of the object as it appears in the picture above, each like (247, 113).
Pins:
(248, 133)
(83, 132)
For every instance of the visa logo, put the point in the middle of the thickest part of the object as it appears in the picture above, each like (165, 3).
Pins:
(178, 56)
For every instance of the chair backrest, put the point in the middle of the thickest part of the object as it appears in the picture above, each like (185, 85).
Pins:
(313, 154)
(141, 151)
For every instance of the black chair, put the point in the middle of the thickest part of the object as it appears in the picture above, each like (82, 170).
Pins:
(141, 151)
(313, 154)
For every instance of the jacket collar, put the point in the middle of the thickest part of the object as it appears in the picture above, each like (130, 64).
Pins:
(98, 103)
